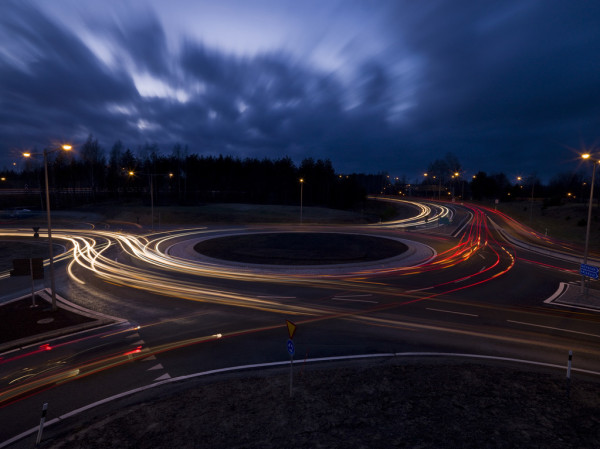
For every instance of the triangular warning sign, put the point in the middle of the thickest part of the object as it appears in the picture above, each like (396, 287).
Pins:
(291, 328)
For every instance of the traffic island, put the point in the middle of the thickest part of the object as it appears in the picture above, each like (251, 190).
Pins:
(27, 321)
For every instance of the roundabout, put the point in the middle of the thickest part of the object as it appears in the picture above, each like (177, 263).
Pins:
(296, 252)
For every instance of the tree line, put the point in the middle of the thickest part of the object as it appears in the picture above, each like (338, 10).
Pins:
(182, 178)
(93, 175)
(445, 178)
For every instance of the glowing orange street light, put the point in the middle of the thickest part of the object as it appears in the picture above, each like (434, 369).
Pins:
(46, 152)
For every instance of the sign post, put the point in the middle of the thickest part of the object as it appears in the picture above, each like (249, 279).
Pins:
(291, 350)
(587, 271)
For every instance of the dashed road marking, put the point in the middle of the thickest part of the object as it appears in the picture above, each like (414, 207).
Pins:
(554, 328)
(451, 311)
(419, 290)
(340, 298)
(276, 297)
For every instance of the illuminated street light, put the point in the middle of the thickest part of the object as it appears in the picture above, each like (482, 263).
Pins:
(151, 176)
(50, 250)
(519, 178)
(301, 194)
(589, 219)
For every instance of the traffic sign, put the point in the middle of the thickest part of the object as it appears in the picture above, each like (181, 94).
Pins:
(291, 328)
(290, 347)
(589, 270)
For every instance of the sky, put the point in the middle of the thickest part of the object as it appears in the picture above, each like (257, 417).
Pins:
(508, 86)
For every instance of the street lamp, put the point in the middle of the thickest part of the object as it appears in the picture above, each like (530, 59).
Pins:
(519, 178)
(301, 194)
(589, 219)
(50, 251)
(151, 175)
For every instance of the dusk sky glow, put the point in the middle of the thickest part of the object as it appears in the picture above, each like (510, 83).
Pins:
(508, 86)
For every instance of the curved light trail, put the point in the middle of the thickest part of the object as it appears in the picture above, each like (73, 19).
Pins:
(143, 262)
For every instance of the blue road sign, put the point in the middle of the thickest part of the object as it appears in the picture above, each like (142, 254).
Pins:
(290, 347)
(589, 271)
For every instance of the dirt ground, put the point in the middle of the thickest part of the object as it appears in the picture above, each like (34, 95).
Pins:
(428, 403)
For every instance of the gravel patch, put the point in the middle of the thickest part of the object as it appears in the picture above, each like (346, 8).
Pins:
(420, 404)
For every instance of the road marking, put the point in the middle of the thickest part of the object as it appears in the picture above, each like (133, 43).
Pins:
(337, 298)
(352, 296)
(152, 357)
(276, 297)
(562, 288)
(482, 269)
(419, 290)
(450, 311)
(163, 377)
(155, 367)
(482, 256)
(554, 328)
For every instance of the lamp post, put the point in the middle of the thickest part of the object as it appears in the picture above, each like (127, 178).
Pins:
(589, 217)
(519, 178)
(301, 194)
(50, 249)
(151, 176)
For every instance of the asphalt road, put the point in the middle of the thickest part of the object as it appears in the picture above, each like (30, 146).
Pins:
(480, 295)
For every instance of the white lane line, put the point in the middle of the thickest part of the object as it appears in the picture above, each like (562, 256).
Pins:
(450, 311)
(482, 269)
(353, 296)
(554, 328)
(562, 287)
(481, 255)
(337, 298)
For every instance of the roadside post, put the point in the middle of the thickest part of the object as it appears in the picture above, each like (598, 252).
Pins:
(291, 327)
(42, 420)
(569, 373)
(32, 292)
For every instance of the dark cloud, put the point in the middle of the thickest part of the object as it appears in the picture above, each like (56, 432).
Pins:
(506, 86)
(509, 84)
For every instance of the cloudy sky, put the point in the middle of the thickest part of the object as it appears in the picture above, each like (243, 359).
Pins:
(508, 86)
